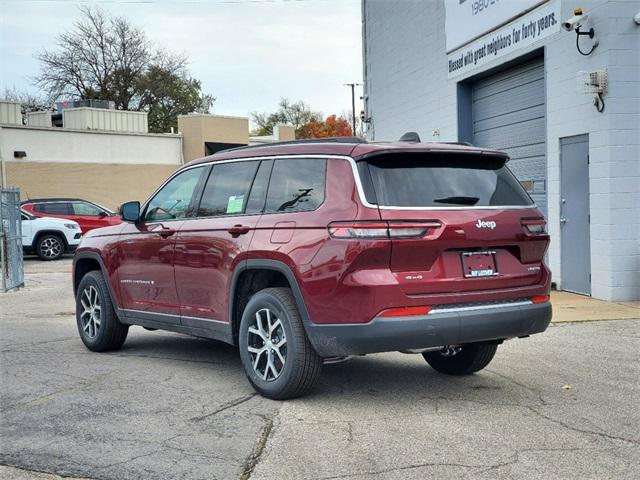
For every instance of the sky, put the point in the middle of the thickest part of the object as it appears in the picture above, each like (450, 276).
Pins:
(247, 53)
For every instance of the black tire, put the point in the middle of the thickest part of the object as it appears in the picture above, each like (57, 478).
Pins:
(50, 247)
(471, 358)
(302, 365)
(109, 334)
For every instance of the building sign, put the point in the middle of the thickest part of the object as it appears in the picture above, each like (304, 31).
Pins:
(522, 32)
(466, 20)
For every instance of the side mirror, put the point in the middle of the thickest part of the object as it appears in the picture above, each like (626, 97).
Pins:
(103, 214)
(130, 212)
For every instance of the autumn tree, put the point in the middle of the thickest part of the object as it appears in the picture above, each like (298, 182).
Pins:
(296, 114)
(332, 126)
(105, 57)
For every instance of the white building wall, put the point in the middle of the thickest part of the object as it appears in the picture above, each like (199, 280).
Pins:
(81, 146)
(406, 88)
(10, 112)
(39, 119)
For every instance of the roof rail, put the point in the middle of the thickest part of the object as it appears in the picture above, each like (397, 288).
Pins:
(467, 144)
(301, 141)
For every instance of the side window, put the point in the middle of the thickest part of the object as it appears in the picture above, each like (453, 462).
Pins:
(55, 208)
(83, 208)
(174, 199)
(296, 185)
(258, 194)
(227, 189)
(23, 217)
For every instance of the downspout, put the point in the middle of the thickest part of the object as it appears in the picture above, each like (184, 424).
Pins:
(181, 148)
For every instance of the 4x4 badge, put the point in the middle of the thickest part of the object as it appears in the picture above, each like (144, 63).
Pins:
(485, 224)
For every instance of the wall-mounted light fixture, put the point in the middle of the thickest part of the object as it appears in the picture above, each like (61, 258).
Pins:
(576, 23)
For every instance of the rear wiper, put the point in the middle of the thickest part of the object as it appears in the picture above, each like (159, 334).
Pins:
(458, 200)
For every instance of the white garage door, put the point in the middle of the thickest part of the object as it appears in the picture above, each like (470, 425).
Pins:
(508, 113)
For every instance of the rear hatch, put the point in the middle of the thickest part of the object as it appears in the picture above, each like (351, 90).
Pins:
(468, 223)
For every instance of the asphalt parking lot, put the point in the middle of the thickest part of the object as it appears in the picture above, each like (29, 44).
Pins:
(564, 404)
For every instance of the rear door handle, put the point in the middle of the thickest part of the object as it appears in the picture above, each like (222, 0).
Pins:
(238, 230)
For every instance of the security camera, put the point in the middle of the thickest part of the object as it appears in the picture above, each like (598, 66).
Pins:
(574, 21)
(636, 18)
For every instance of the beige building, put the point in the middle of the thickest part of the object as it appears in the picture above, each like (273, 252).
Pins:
(105, 155)
(207, 134)
(108, 167)
(104, 167)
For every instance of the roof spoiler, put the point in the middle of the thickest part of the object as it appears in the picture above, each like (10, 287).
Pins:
(411, 137)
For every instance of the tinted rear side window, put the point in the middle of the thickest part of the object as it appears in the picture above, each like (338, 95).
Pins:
(297, 185)
(429, 180)
(57, 208)
(227, 189)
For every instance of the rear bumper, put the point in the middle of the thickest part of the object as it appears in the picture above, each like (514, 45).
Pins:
(445, 326)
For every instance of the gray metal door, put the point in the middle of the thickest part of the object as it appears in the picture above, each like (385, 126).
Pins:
(574, 214)
(508, 113)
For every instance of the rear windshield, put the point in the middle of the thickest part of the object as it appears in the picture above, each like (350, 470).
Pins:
(434, 180)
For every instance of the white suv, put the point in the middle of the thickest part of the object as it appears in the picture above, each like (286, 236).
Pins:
(47, 237)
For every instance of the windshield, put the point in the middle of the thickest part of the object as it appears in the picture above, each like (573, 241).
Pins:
(444, 180)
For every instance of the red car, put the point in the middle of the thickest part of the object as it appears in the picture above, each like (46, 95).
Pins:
(305, 252)
(89, 215)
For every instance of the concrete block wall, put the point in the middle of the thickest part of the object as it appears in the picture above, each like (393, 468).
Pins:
(406, 85)
(406, 71)
(614, 143)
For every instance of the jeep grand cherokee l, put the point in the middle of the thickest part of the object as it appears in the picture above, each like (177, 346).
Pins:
(303, 252)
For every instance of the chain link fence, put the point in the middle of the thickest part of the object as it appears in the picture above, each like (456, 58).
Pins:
(11, 262)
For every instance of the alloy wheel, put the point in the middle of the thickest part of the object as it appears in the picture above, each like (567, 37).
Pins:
(51, 247)
(91, 313)
(267, 345)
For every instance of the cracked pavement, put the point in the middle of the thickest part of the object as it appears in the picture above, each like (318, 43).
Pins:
(564, 404)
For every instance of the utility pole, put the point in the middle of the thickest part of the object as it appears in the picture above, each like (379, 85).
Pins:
(353, 104)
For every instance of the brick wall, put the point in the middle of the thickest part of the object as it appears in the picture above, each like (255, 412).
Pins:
(108, 185)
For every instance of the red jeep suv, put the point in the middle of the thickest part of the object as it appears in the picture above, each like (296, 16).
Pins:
(305, 252)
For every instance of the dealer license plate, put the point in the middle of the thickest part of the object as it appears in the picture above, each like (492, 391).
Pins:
(479, 264)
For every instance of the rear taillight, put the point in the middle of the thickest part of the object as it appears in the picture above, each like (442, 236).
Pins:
(381, 230)
(534, 226)
(540, 299)
(359, 230)
(404, 311)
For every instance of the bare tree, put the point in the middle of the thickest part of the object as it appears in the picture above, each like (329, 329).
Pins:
(105, 57)
(99, 58)
(29, 102)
